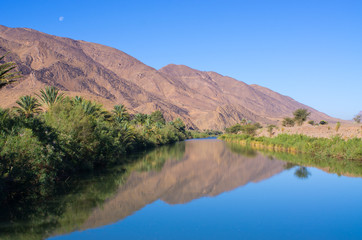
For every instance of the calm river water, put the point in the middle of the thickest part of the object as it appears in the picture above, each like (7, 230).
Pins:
(202, 189)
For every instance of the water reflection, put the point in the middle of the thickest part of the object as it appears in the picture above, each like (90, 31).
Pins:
(175, 174)
(207, 168)
(302, 172)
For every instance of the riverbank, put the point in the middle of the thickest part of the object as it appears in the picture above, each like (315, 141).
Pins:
(336, 147)
(49, 139)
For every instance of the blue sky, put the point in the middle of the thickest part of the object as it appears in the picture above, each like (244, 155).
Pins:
(310, 50)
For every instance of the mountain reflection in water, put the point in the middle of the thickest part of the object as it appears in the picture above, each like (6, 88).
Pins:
(178, 174)
(208, 168)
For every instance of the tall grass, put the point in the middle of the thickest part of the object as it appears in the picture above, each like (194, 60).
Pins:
(335, 147)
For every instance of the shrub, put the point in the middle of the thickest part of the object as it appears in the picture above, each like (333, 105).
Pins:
(311, 122)
(234, 129)
(249, 129)
(288, 122)
(258, 125)
(300, 116)
(338, 125)
(358, 118)
(270, 129)
(323, 122)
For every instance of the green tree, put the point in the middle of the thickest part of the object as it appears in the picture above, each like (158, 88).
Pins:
(234, 129)
(157, 117)
(91, 108)
(179, 125)
(288, 122)
(301, 115)
(249, 129)
(358, 118)
(28, 106)
(140, 118)
(6, 74)
(50, 96)
(78, 100)
(120, 113)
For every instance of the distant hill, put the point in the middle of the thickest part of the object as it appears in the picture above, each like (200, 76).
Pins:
(205, 100)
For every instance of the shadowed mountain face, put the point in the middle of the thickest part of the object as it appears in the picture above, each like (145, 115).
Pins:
(204, 100)
(207, 168)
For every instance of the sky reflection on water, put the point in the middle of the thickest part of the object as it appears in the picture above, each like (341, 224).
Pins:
(280, 206)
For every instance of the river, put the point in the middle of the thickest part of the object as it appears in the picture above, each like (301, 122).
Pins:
(200, 189)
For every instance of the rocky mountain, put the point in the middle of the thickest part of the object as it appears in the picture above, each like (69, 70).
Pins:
(204, 100)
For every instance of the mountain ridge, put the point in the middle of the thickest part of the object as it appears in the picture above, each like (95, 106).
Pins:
(203, 99)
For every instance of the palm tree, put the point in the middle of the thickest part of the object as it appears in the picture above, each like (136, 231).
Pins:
(50, 96)
(78, 100)
(4, 120)
(91, 108)
(6, 76)
(140, 118)
(120, 113)
(28, 106)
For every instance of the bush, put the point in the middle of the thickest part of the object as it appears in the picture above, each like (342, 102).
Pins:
(270, 129)
(234, 129)
(288, 122)
(301, 115)
(249, 129)
(323, 122)
(358, 118)
(338, 125)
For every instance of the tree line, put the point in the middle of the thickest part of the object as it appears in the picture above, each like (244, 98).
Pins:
(50, 137)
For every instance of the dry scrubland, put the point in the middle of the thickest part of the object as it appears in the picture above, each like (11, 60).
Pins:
(346, 131)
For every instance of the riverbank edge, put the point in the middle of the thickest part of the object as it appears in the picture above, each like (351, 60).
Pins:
(336, 147)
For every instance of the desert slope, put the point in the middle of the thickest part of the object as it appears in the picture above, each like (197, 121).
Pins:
(202, 99)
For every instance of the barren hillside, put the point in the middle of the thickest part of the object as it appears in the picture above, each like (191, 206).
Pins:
(204, 100)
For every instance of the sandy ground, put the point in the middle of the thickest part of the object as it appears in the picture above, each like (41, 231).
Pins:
(346, 131)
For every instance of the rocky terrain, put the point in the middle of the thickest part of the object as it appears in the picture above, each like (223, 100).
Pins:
(204, 100)
(346, 130)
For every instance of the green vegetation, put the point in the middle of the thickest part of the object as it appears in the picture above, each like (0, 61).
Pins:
(38, 148)
(318, 147)
(205, 133)
(50, 96)
(249, 128)
(298, 161)
(270, 129)
(331, 165)
(300, 116)
(358, 118)
(69, 204)
(7, 76)
(311, 122)
(288, 122)
(338, 125)
(323, 122)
